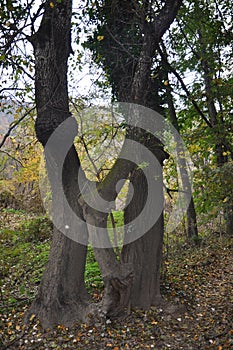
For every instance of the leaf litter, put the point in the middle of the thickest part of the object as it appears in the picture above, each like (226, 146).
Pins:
(197, 286)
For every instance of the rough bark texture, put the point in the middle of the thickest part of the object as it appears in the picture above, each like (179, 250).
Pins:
(62, 297)
(117, 276)
(144, 255)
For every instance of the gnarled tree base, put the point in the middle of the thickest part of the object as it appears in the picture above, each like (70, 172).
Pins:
(65, 313)
(62, 297)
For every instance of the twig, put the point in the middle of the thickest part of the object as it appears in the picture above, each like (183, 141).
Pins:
(10, 156)
(14, 125)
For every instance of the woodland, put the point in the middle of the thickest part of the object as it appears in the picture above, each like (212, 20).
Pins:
(101, 247)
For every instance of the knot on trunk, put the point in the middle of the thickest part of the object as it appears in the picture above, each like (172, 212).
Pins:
(118, 286)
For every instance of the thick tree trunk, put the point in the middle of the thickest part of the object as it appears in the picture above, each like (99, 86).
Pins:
(145, 253)
(62, 297)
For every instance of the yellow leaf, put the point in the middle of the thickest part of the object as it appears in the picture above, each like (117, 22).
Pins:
(60, 326)
(166, 83)
(17, 327)
(19, 109)
(32, 317)
(154, 322)
(100, 37)
(51, 4)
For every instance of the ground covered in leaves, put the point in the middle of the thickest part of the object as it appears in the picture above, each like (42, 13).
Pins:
(197, 286)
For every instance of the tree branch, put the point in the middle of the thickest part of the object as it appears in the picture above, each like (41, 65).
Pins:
(184, 87)
(14, 125)
(12, 157)
(166, 16)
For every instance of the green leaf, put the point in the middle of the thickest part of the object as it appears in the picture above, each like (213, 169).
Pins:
(2, 57)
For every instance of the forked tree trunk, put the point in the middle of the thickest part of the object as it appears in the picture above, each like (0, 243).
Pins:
(62, 296)
(141, 259)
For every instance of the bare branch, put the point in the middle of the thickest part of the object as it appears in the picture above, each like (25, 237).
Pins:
(14, 125)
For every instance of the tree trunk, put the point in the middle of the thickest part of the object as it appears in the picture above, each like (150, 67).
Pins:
(182, 164)
(144, 254)
(62, 297)
(221, 144)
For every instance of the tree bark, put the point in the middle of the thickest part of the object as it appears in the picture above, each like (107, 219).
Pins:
(182, 164)
(145, 253)
(62, 297)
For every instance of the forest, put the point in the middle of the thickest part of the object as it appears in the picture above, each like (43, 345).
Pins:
(116, 162)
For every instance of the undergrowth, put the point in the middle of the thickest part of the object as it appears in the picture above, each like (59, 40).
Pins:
(195, 275)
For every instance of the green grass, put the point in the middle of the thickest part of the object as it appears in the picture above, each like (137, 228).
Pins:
(93, 277)
(13, 211)
(118, 219)
(24, 253)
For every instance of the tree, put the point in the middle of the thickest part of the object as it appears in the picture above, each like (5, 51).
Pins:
(130, 33)
(203, 38)
(182, 164)
(62, 297)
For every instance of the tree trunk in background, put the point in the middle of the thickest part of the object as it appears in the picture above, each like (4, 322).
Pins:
(191, 212)
(217, 122)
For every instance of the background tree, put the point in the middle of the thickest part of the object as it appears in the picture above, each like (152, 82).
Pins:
(201, 41)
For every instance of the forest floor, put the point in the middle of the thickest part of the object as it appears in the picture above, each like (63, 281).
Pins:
(197, 284)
